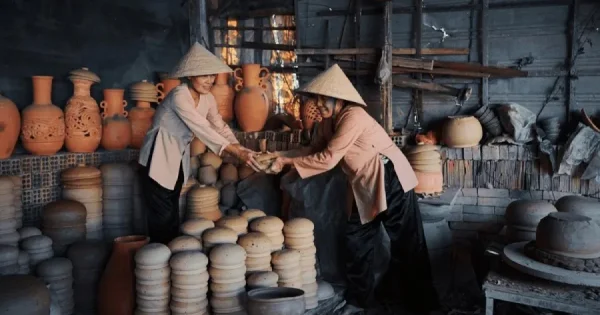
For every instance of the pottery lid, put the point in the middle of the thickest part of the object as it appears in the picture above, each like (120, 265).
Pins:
(285, 257)
(263, 278)
(188, 261)
(234, 222)
(54, 267)
(84, 74)
(255, 243)
(80, 172)
(184, 243)
(143, 86)
(298, 226)
(63, 212)
(199, 61)
(6, 185)
(227, 254)
(527, 212)
(268, 224)
(8, 254)
(252, 214)
(117, 173)
(219, 235)
(196, 227)
(153, 254)
(333, 83)
(36, 242)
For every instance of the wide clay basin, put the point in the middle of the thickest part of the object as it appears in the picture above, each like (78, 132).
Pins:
(276, 301)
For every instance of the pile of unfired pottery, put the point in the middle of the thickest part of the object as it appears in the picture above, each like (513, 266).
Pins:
(272, 227)
(57, 272)
(299, 235)
(228, 281)
(426, 161)
(64, 222)
(153, 275)
(84, 184)
(189, 283)
(117, 200)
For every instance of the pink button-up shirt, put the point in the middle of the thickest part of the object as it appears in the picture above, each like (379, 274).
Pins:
(358, 142)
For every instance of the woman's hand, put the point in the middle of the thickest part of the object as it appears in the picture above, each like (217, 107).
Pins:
(245, 155)
(278, 165)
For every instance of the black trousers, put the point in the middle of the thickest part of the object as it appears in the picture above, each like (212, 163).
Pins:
(408, 280)
(162, 205)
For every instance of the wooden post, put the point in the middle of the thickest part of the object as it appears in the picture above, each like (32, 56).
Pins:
(572, 52)
(199, 23)
(418, 94)
(387, 87)
(484, 48)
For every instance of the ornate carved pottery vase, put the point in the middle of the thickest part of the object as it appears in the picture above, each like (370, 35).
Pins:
(116, 291)
(224, 95)
(10, 125)
(82, 119)
(140, 118)
(165, 86)
(43, 124)
(251, 103)
(116, 129)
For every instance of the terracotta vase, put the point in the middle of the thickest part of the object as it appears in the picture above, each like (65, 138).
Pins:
(10, 125)
(116, 291)
(82, 119)
(141, 120)
(42, 124)
(224, 95)
(462, 132)
(165, 86)
(116, 129)
(251, 104)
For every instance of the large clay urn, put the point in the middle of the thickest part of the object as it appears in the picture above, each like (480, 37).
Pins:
(141, 119)
(43, 124)
(462, 132)
(165, 86)
(116, 129)
(116, 291)
(251, 103)
(10, 125)
(224, 95)
(82, 115)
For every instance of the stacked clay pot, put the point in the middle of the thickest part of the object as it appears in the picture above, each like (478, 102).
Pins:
(153, 279)
(234, 222)
(203, 203)
(251, 214)
(184, 243)
(8, 220)
(568, 235)
(272, 227)
(218, 236)
(117, 200)
(191, 182)
(286, 263)
(84, 184)
(28, 231)
(88, 259)
(299, 235)
(262, 279)
(58, 273)
(228, 281)
(11, 119)
(522, 218)
(116, 129)
(462, 132)
(189, 283)
(18, 203)
(196, 227)
(144, 93)
(39, 248)
(426, 162)
(82, 114)
(139, 211)
(64, 222)
(258, 251)
(9, 260)
(23, 262)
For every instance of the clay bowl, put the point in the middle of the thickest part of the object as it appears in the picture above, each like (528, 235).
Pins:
(569, 234)
(276, 301)
(527, 213)
(579, 205)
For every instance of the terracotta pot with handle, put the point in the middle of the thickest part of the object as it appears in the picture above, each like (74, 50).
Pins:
(116, 132)
(140, 118)
(165, 86)
(251, 104)
(224, 95)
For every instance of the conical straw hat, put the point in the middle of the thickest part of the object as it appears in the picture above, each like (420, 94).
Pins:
(333, 83)
(199, 61)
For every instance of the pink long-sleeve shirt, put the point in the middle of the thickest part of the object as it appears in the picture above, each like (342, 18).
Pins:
(358, 143)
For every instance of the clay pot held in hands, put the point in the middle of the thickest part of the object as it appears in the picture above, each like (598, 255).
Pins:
(462, 132)
(251, 103)
(569, 235)
(116, 132)
(10, 125)
(43, 124)
(224, 95)
(82, 114)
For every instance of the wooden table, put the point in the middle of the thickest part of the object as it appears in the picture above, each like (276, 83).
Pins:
(507, 284)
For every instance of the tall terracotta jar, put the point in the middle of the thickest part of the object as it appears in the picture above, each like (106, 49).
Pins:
(251, 103)
(42, 124)
(82, 114)
(116, 291)
(165, 86)
(116, 129)
(224, 95)
(141, 120)
(10, 125)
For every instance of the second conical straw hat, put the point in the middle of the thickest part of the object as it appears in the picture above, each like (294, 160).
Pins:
(199, 61)
(333, 83)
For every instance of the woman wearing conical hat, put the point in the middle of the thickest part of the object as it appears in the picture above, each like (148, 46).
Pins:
(382, 182)
(188, 110)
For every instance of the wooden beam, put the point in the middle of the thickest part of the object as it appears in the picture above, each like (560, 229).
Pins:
(473, 67)
(263, 46)
(373, 51)
(441, 71)
(396, 61)
(254, 28)
(387, 88)
(198, 23)
(461, 94)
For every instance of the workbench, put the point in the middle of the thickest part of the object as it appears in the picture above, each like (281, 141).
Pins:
(507, 284)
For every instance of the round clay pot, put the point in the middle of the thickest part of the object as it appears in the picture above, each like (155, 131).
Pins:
(252, 102)
(527, 213)
(236, 223)
(462, 132)
(82, 119)
(298, 226)
(196, 227)
(227, 255)
(229, 197)
(10, 120)
(140, 118)
(116, 132)
(579, 205)
(224, 95)
(569, 235)
(43, 124)
(228, 173)
(165, 86)
(274, 301)
(22, 294)
(219, 235)
(429, 183)
(268, 224)
(209, 158)
(207, 175)
(197, 147)
(251, 214)
(263, 279)
(255, 243)
(184, 243)
(188, 261)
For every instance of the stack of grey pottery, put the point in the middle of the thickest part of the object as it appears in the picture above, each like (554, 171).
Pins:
(489, 120)
(89, 259)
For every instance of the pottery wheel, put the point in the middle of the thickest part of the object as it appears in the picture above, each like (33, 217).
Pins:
(515, 257)
(569, 263)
